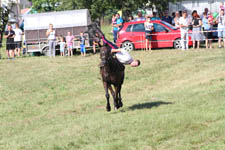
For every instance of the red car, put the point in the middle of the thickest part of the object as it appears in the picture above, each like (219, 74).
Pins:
(132, 36)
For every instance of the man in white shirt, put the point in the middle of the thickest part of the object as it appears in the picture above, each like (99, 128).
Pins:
(18, 39)
(125, 58)
(221, 27)
(184, 23)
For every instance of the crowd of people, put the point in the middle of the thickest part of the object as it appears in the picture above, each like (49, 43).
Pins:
(201, 25)
(14, 44)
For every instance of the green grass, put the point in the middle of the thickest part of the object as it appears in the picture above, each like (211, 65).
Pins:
(174, 101)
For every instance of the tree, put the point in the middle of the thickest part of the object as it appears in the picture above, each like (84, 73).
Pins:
(4, 14)
(99, 8)
(45, 5)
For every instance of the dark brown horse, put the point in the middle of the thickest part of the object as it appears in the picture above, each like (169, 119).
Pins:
(111, 70)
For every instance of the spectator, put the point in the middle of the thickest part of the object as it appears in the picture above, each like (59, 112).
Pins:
(160, 16)
(140, 17)
(119, 22)
(184, 23)
(155, 16)
(196, 34)
(69, 43)
(113, 20)
(82, 44)
(167, 18)
(180, 13)
(130, 19)
(207, 28)
(148, 31)
(51, 34)
(176, 19)
(18, 39)
(221, 31)
(94, 47)
(173, 14)
(62, 44)
(206, 11)
(221, 6)
(10, 46)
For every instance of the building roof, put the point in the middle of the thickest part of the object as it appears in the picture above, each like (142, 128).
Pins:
(60, 19)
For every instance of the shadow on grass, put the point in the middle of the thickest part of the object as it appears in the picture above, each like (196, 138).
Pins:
(148, 105)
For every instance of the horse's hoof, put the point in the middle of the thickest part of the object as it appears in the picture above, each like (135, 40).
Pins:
(108, 109)
(120, 104)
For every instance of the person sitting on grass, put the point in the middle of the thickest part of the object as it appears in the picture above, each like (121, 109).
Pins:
(82, 44)
(125, 58)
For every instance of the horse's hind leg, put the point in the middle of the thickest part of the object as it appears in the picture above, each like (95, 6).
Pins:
(108, 107)
(119, 96)
(116, 106)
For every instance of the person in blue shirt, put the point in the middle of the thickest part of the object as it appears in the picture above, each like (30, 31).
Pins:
(207, 26)
(154, 17)
(116, 27)
(82, 44)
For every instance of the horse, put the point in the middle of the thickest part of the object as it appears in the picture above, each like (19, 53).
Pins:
(111, 70)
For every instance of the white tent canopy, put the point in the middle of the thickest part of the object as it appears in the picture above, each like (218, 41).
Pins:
(60, 19)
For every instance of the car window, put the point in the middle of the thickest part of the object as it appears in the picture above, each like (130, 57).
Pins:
(139, 27)
(129, 28)
(159, 28)
(169, 25)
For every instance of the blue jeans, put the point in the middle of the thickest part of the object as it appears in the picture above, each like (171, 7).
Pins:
(51, 47)
(82, 48)
(115, 32)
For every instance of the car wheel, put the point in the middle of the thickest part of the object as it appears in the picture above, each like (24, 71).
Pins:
(128, 46)
(177, 44)
(45, 51)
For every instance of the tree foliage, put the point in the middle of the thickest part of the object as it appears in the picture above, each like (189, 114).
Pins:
(4, 14)
(100, 8)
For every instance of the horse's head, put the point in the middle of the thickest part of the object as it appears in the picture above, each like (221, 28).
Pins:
(105, 55)
(95, 33)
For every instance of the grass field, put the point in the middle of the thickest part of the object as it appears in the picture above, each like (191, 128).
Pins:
(174, 101)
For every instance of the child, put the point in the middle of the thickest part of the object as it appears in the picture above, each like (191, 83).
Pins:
(113, 20)
(221, 6)
(62, 44)
(210, 18)
(82, 44)
(69, 43)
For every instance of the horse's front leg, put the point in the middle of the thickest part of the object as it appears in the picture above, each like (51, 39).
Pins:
(108, 107)
(114, 97)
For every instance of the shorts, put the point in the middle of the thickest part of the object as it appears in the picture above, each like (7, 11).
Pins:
(221, 32)
(82, 48)
(147, 35)
(208, 34)
(18, 44)
(62, 50)
(70, 46)
(10, 46)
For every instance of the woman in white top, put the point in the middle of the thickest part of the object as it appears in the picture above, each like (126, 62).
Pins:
(18, 39)
(148, 31)
(176, 19)
(51, 34)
